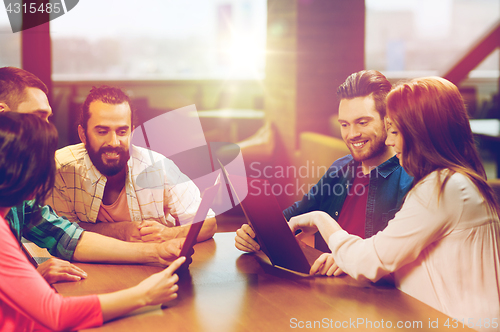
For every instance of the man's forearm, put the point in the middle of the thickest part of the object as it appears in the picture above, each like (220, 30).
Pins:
(93, 247)
(125, 231)
(208, 230)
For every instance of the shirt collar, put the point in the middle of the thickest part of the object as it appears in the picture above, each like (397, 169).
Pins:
(388, 166)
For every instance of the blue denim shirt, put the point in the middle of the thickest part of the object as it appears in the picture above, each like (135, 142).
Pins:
(389, 184)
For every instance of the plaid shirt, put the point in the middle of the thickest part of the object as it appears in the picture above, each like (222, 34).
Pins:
(55, 233)
(155, 187)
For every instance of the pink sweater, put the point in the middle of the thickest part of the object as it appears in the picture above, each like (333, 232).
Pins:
(27, 302)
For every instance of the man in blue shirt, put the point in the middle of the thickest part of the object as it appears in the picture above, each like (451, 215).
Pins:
(365, 189)
(23, 92)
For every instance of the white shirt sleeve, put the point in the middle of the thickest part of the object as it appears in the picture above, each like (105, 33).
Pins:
(422, 220)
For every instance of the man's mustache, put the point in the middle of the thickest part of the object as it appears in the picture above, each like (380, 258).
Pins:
(118, 150)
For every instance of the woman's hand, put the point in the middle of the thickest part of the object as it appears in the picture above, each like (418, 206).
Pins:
(325, 265)
(304, 222)
(158, 288)
(161, 287)
(311, 222)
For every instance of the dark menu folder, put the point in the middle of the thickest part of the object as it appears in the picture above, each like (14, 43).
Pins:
(271, 228)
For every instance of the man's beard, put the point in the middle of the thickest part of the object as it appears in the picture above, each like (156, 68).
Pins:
(111, 168)
(377, 148)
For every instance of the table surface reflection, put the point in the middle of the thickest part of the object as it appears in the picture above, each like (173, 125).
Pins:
(226, 290)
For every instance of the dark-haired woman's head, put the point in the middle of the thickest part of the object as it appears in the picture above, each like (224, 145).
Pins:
(27, 165)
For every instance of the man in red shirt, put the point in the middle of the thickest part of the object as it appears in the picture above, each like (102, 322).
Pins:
(363, 190)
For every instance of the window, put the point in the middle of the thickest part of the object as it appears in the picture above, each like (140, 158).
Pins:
(415, 38)
(10, 50)
(426, 37)
(160, 39)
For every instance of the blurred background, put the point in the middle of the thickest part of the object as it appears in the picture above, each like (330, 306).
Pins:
(263, 74)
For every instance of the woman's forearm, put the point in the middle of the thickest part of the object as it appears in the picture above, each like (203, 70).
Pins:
(156, 289)
(326, 225)
(119, 303)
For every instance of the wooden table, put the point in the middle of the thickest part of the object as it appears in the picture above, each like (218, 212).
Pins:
(226, 290)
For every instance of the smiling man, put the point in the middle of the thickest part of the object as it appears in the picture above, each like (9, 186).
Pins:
(365, 189)
(96, 182)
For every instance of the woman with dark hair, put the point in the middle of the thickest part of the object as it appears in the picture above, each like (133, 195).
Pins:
(27, 302)
(443, 246)
(24, 138)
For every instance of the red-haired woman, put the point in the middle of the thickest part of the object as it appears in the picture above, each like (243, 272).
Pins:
(443, 246)
(27, 302)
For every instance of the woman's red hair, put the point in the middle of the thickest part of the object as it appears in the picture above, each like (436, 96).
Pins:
(431, 116)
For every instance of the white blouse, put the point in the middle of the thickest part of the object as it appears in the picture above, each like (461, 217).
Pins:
(443, 252)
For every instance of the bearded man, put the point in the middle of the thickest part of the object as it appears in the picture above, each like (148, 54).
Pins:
(365, 189)
(96, 181)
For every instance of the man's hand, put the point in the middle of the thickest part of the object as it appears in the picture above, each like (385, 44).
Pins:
(244, 239)
(168, 251)
(130, 231)
(153, 231)
(55, 269)
(325, 265)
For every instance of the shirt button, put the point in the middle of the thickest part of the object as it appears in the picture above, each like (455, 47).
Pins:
(336, 213)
